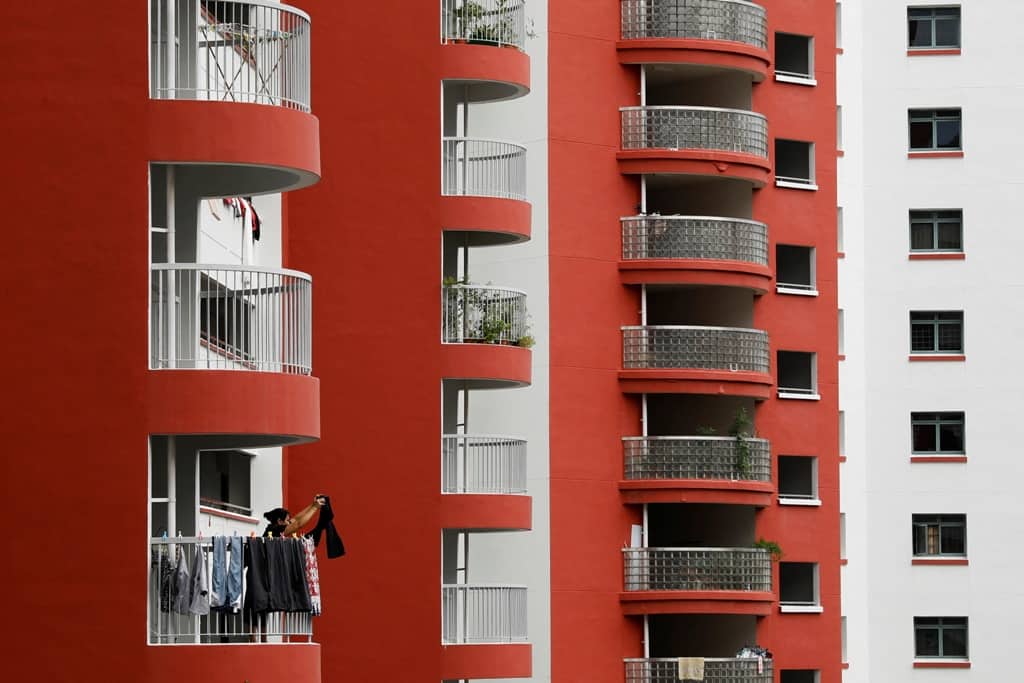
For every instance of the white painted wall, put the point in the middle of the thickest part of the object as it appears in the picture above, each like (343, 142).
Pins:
(881, 489)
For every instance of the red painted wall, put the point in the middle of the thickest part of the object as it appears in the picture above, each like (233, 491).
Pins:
(370, 236)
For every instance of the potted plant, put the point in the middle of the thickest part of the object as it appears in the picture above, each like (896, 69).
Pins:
(740, 430)
(772, 547)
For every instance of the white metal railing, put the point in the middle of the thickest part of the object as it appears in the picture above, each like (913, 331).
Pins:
(699, 128)
(483, 168)
(483, 614)
(488, 22)
(716, 670)
(483, 314)
(697, 569)
(168, 626)
(252, 51)
(693, 347)
(482, 464)
(731, 20)
(696, 457)
(694, 237)
(228, 317)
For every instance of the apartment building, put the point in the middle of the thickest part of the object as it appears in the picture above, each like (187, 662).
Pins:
(927, 187)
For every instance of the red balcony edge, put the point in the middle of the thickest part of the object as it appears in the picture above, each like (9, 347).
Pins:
(486, 660)
(293, 662)
(711, 163)
(719, 53)
(687, 381)
(697, 271)
(697, 602)
(509, 219)
(508, 66)
(756, 493)
(486, 512)
(489, 365)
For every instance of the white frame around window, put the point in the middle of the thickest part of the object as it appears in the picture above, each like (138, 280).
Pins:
(809, 499)
(935, 218)
(800, 393)
(224, 505)
(803, 607)
(935, 116)
(796, 77)
(937, 323)
(940, 627)
(932, 20)
(798, 288)
(793, 182)
(938, 522)
(942, 417)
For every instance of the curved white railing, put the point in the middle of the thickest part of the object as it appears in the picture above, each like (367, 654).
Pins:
(697, 569)
(693, 347)
(485, 22)
(251, 51)
(732, 20)
(484, 315)
(229, 317)
(716, 670)
(697, 128)
(483, 614)
(476, 167)
(472, 463)
(694, 237)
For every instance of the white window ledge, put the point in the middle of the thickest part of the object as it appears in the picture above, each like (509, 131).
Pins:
(801, 609)
(805, 502)
(799, 397)
(783, 289)
(796, 186)
(798, 80)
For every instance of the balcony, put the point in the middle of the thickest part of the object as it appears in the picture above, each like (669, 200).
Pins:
(706, 141)
(724, 33)
(483, 632)
(484, 482)
(483, 188)
(208, 57)
(486, 335)
(696, 469)
(484, 22)
(471, 30)
(697, 580)
(708, 250)
(716, 670)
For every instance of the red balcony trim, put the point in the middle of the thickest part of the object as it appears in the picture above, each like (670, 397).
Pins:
(697, 602)
(941, 665)
(507, 219)
(935, 155)
(933, 53)
(486, 512)
(489, 364)
(687, 381)
(719, 53)
(486, 660)
(697, 271)
(487, 63)
(938, 458)
(700, 162)
(959, 256)
(756, 493)
(954, 357)
(938, 561)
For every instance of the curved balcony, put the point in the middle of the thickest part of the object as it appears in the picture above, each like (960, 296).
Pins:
(470, 30)
(697, 580)
(716, 670)
(485, 336)
(483, 632)
(483, 188)
(484, 482)
(722, 33)
(709, 250)
(696, 469)
(693, 359)
(706, 141)
(209, 56)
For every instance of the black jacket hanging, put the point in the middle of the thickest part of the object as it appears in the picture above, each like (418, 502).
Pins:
(335, 547)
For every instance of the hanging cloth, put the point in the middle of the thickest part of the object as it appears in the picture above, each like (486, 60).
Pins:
(233, 596)
(200, 602)
(219, 578)
(312, 574)
(254, 219)
(182, 585)
(257, 588)
(325, 524)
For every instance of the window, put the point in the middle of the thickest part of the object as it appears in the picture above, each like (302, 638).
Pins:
(224, 318)
(794, 58)
(225, 481)
(937, 332)
(940, 637)
(931, 28)
(798, 478)
(936, 230)
(934, 130)
(798, 374)
(798, 676)
(794, 164)
(798, 587)
(937, 433)
(937, 535)
(794, 269)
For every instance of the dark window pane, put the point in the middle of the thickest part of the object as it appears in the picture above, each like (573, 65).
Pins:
(953, 540)
(949, 236)
(921, 236)
(920, 33)
(954, 642)
(922, 337)
(948, 315)
(948, 133)
(951, 438)
(950, 338)
(926, 642)
(947, 33)
(921, 135)
(924, 438)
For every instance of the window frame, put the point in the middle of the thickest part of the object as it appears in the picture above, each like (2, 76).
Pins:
(938, 522)
(935, 117)
(796, 77)
(932, 20)
(228, 506)
(809, 183)
(800, 498)
(806, 289)
(811, 606)
(941, 418)
(937, 324)
(936, 218)
(809, 393)
(940, 627)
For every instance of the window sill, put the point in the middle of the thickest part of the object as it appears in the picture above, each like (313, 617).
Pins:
(796, 80)
(919, 357)
(796, 186)
(933, 52)
(800, 502)
(227, 515)
(942, 664)
(936, 256)
(799, 397)
(938, 458)
(940, 561)
(935, 154)
(783, 289)
(801, 609)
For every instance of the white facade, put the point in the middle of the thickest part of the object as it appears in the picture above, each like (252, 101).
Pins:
(880, 385)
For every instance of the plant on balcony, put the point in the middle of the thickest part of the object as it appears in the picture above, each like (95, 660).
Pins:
(772, 547)
(705, 430)
(741, 430)
(488, 27)
(526, 341)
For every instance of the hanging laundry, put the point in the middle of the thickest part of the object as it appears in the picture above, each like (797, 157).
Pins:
(219, 579)
(162, 576)
(254, 219)
(312, 574)
(200, 602)
(325, 524)
(257, 590)
(233, 597)
(182, 585)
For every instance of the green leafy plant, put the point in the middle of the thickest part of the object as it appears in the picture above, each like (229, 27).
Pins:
(741, 430)
(526, 341)
(705, 430)
(772, 547)
(494, 329)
